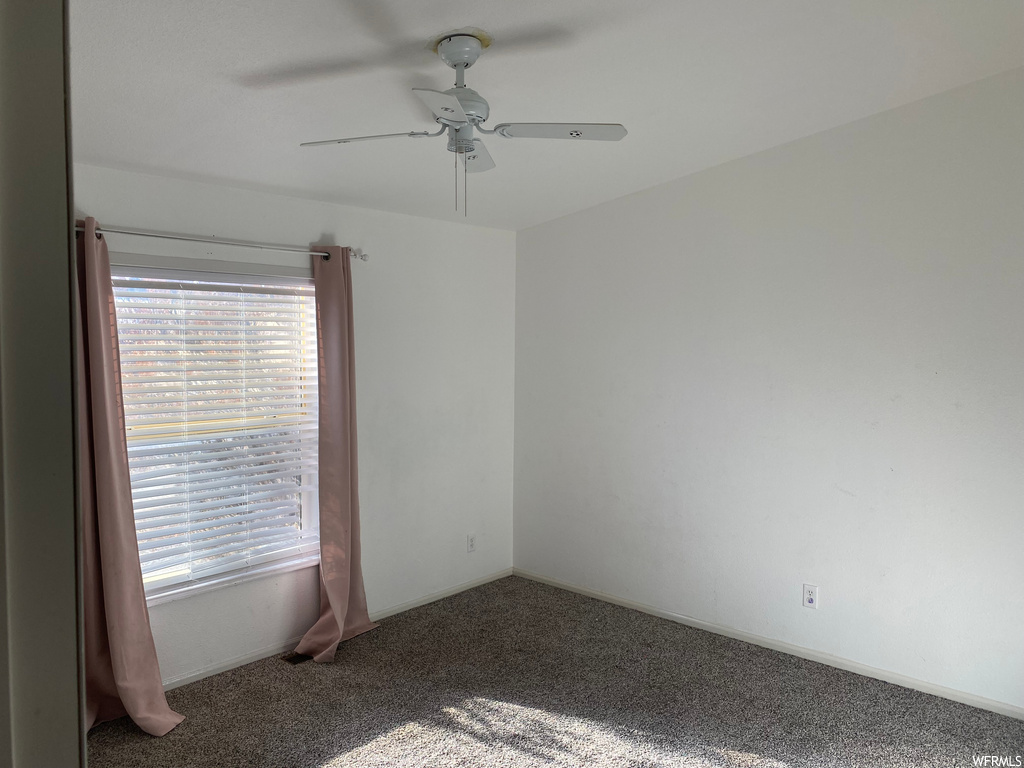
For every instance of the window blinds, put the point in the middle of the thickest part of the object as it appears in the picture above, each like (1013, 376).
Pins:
(219, 382)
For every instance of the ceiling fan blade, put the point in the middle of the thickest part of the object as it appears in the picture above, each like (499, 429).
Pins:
(376, 20)
(479, 159)
(531, 38)
(302, 72)
(412, 134)
(405, 54)
(575, 131)
(442, 105)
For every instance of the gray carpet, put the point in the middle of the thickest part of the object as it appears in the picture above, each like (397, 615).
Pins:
(515, 673)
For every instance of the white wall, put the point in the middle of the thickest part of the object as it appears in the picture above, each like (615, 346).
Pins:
(434, 315)
(802, 366)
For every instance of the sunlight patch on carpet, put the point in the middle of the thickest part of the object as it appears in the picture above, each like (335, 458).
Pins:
(483, 731)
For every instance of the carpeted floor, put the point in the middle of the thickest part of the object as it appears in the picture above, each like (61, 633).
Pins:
(516, 673)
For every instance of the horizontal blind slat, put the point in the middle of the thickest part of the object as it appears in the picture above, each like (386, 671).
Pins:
(156, 434)
(198, 502)
(224, 481)
(179, 515)
(170, 475)
(256, 436)
(221, 458)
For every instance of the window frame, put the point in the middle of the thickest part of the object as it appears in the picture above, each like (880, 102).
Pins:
(171, 268)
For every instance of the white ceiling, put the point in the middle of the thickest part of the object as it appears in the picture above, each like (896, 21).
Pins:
(200, 89)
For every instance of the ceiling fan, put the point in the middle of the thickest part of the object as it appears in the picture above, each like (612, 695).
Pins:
(460, 111)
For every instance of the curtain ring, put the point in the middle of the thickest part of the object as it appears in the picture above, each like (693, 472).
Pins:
(325, 256)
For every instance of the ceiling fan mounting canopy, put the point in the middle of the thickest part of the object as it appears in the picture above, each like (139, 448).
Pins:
(460, 50)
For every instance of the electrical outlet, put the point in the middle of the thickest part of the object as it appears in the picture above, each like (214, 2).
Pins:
(471, 542)
(810, 596)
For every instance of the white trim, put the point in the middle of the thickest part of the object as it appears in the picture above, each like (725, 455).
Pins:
(1002, 708)
(435, 596)
(201, 279)
(287, 645)
(838, 662)
(236, 661)
(190, 588)
(133, 260)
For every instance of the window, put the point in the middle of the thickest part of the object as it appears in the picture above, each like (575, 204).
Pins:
(219, 379)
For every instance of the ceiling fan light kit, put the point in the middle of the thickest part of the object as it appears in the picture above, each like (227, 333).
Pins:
(460, 111)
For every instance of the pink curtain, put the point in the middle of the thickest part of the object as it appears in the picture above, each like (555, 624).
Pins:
(122, 676)
(343, 613)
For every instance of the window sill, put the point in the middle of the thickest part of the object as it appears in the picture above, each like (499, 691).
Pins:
(191, 589)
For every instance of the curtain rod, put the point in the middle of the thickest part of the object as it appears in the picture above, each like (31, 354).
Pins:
(214, 240)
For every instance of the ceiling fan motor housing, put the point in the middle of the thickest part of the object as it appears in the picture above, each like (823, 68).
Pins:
(473, 104)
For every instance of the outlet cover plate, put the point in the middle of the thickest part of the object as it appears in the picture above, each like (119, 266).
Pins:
(811, 596)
